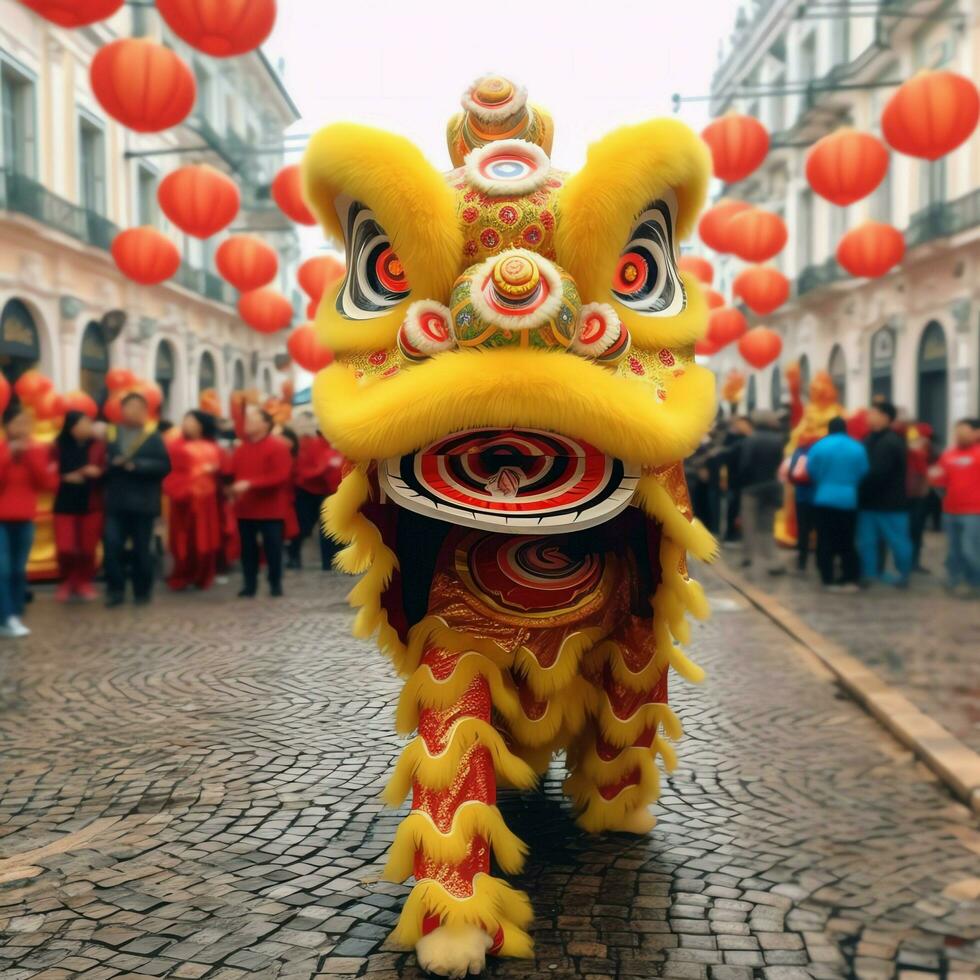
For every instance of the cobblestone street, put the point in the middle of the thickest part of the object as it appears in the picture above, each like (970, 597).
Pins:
(191, 790)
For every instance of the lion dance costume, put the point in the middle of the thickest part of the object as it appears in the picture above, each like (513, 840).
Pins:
(515, 390)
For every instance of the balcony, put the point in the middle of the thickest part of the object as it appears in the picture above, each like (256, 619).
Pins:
(24, 195)
(818, 276)
(944, 219)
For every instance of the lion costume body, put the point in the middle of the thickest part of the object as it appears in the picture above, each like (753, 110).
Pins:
(515, 390)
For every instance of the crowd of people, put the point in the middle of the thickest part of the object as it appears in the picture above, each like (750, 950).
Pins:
(199, 492)
(865, 501)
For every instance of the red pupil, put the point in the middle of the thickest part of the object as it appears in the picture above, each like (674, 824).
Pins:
(391, 272)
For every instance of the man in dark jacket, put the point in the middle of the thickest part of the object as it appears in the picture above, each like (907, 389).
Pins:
(883, 515)
(759, 457)
(137, 463)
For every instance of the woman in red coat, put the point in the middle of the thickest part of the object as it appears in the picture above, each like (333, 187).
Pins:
(81, 461)
(192, 486)
(25, 470)
(262, 470)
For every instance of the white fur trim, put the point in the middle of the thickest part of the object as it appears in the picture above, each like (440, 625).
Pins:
(492, 114)
(546, 312)
(413, 328)
(501, 187)
(614, 328)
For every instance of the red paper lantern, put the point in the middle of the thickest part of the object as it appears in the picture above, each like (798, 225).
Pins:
(700, 268)
(762, 288)
(246, 262)
(738, 145)
(714, 298)
(760, 346)
(931, 114)
(220, 28)
(145, 255)
(73, 13)
(713, 226)
(316, 274)
(199, 199)
(142, 84)
(307, 351)
(725, 325)
(871, 249)
(265, 310)
(705, 347)
(757, 235)
(32, 386)
(846, 166)
(80, 401)
(287, 192)
(119, 379)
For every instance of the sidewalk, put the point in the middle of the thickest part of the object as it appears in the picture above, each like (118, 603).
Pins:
(921, 641)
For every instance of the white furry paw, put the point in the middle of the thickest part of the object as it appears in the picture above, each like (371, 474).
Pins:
(639, 821)
(453, 952)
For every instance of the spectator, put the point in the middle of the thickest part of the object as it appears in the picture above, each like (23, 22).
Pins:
(837, 464)
(728, 457)
(261, 468)
(958, 471)
(25, 471)
(194, 524)
(759, 457)
(318, 471)
(918, 437)
(80, 459)
(291, 528)
(803, 489)
(138, 463)
(883, 515)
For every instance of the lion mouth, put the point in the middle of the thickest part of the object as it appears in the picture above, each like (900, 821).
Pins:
(514, 480)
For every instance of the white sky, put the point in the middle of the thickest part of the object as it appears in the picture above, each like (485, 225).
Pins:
(402, 64)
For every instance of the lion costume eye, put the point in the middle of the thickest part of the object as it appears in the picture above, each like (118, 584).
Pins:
(646, 278)
(376, 280)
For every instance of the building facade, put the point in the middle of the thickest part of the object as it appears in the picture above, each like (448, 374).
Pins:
(71, 178)
(913, 335)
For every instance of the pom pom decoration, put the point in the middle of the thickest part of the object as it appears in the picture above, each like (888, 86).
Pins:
(700, 268)
(931, 114)
(265, 310)
(199, 199)
(846, 166)
(426, 331)
(119, 379)
(600, 335)
(49, 406)
(762, 288)
(73, 13)
(80, 401)
(32, 386)
(713, 228)
(316, 274)
(142, 84)
(725, 325)
(760, 346)
(220, 28)
(287, 192)
(757, 235)
(871, 249)
(145, 255)
(307, 351)
(246, 262)
(738, 145)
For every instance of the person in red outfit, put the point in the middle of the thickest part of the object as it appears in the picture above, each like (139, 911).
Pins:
(192, 486)
(230, 548)
(958, 471)
(25, 470)
(291, 529)
(261, 469)
(81, 460)
(318, 472)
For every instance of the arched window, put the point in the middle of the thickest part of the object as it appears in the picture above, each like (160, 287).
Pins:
(267, 381)
(933, 380)
(776, 387)
(207, 375)
(94, 361)
(238, 377)
(20, 349)
(752, 397)
(837, 368)
(163, 373)
(804, 363)
(882, 361)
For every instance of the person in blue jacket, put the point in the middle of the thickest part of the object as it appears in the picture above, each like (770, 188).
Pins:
(836, 466)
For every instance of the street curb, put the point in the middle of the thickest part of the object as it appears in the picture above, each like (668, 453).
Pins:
(953, 762)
